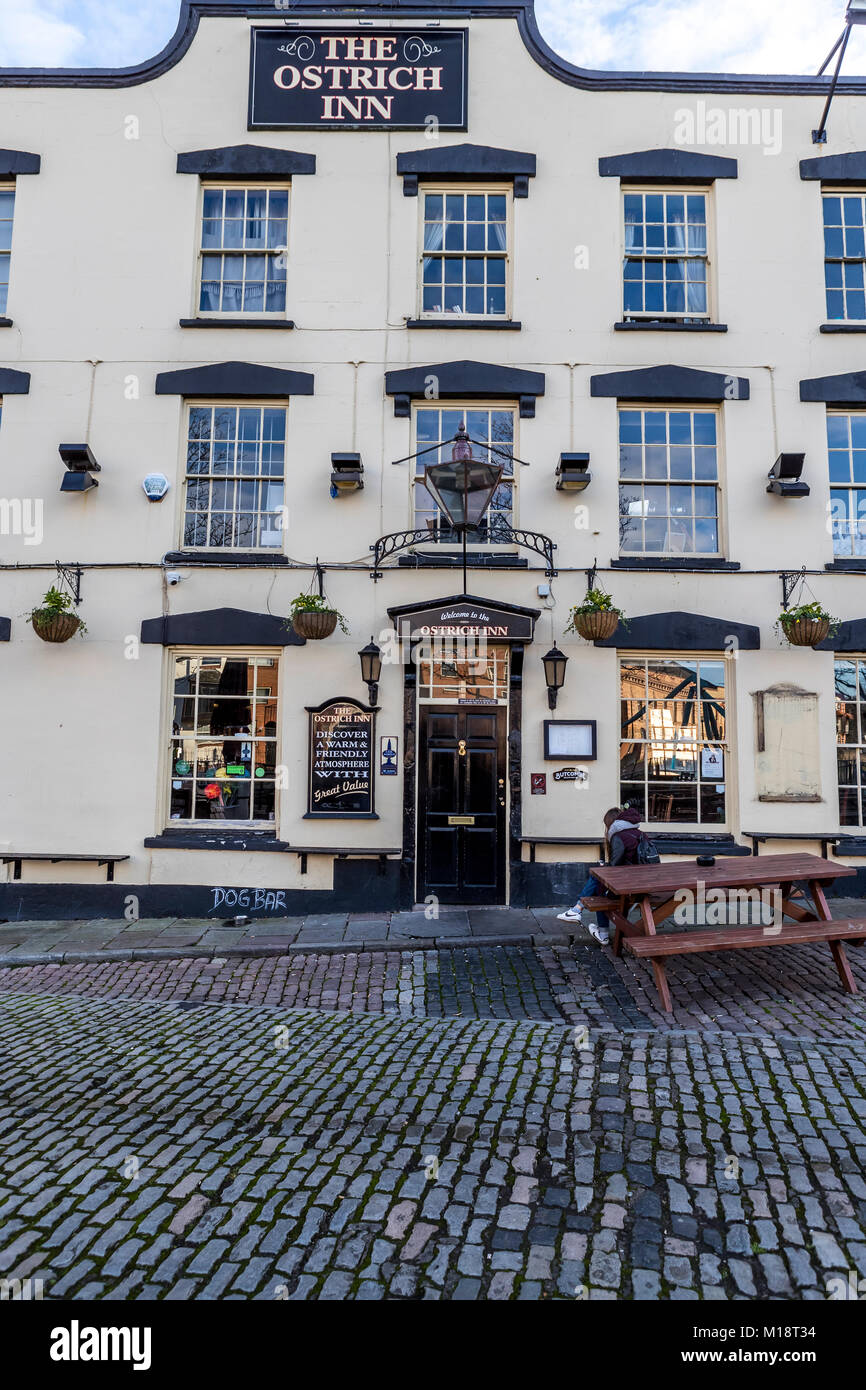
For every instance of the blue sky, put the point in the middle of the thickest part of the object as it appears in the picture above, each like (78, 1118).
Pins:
(698, 35)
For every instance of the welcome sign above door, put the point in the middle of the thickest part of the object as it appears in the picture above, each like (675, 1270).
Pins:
(377, 78)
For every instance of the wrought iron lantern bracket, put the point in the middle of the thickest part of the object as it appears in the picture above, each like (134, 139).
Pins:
(396, 541)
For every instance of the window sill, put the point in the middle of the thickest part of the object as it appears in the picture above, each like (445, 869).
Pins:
(236, 323)
(464, 323)
(247, 841)
(661, 326)
(675, 562)
(843, 328)
(5, 323)
(225, 558)
(852, 566)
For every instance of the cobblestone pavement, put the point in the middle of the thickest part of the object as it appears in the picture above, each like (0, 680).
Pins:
(151, 1150)
(781, 991)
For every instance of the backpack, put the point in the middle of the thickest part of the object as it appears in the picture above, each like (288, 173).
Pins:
(646, 851)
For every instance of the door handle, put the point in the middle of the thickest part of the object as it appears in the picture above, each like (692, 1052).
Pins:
(461, 748)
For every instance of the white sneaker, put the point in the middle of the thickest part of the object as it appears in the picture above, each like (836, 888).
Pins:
(599, 934)
(571, 914)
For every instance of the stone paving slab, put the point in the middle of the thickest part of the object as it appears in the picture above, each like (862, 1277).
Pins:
(152, 1150)
(35, 940)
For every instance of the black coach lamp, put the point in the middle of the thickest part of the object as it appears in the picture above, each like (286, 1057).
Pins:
(555, 663)
(463, 486)
(371, 668)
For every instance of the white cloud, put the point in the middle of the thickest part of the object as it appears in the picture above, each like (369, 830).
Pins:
(770, 36)
(34, 34)
(700, 35)
(84, 33)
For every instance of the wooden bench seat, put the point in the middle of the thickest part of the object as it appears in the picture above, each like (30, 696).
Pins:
(732, 938)
(17, 857)
(735, 938)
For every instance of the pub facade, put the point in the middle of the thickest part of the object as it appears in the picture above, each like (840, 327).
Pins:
(390, 312)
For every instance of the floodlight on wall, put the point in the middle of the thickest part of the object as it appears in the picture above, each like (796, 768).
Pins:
(346, 473)
(572, 473)
(785, 480)
(80, 464)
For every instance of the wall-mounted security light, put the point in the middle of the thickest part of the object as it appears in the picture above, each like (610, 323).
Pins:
(572, 473)
(347, 472)
(785, 480)
(155, 486)
(856, 12)
(80, 464)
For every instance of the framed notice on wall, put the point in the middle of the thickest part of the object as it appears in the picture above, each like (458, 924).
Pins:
(341, 760)
(572, 740)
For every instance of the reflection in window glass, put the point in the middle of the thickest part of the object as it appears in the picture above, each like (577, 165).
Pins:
(846, 451)
(673, 750)
(224, 732)
(851, 739)
(492, 431)
(235, 465)
(668, 489)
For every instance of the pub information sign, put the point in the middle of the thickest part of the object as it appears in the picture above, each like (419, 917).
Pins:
(341, 759)
(468, 618)
(381, 79)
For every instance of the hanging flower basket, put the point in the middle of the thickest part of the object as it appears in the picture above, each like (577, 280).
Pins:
(54, 627)
(53, 620)
(315, 626)
(806, 626)
(596, 618)
(807, 632)
(595, 627)
(313, 618)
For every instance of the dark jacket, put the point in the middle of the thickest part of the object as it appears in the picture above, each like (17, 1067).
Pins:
(624, 837)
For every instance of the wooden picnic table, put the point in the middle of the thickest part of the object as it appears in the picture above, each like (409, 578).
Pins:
(653, 887)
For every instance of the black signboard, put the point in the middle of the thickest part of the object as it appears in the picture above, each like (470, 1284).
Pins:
(385, 79)
(341, 759)
(468, 618)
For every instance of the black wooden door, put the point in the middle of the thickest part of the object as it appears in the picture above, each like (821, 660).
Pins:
(461, 803)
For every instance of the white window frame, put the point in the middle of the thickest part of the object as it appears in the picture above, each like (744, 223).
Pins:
(240, 185)
(9, 186)
(668, 316)
(419, 465)
(506, 190)
(676, 407)
(835, 192)
(209, 403)
(728, 744)
(230, 654)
